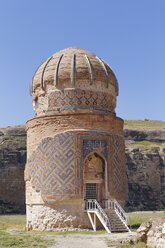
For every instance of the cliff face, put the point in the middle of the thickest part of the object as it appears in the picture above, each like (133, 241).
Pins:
(145, 161)
(12, 163)
(147, 135)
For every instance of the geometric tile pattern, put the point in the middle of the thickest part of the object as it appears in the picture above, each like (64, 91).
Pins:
(94, 145)
(53, 168)
(117, 160)
(84, 99)
(56, 166)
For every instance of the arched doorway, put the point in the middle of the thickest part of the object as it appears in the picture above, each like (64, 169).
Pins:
(94, 177)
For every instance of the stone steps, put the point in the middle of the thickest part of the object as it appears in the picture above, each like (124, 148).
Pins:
(116, 224)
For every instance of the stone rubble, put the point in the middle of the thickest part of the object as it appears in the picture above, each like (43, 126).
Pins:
(152, 233)
(49, 219)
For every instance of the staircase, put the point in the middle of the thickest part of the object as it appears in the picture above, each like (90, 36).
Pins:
(116, 224)
(93, 207)
(112, 217)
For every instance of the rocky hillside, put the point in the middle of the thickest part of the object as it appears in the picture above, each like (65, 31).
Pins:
(145, 161)
(12, 163)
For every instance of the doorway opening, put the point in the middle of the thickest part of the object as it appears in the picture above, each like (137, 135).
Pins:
(94, 177)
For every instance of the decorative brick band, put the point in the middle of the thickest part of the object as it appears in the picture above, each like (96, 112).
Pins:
(84, 99)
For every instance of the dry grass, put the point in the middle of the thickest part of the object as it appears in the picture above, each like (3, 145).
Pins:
(137, 218)
(142, 124)
(13, 234)
(138, 245)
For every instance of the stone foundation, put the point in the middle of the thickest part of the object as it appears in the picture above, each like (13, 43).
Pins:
(44, 218)
(65, 215)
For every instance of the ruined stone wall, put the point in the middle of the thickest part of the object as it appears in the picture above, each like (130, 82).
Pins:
(67, 215)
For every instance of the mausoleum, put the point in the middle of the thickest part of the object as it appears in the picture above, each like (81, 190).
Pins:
(75, 167)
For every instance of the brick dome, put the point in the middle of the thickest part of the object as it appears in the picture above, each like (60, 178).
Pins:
(72, 68)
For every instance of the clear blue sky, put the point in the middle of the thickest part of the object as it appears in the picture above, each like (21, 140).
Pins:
(128, 34)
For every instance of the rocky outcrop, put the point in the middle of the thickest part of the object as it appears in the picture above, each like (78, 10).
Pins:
(153, 233)
(140, 135)
(146, 179)
(145, 170)
(12, 163)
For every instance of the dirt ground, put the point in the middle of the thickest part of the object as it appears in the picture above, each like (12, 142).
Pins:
(90, 240)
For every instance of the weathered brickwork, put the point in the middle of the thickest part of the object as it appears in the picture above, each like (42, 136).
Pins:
(39, 128)
(54, 170)
(56, 167)
(59, 70)
(83, 99)
(118, 174)
(74, 140)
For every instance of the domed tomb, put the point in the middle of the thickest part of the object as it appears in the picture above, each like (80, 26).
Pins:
(74, 79)
(75, 142)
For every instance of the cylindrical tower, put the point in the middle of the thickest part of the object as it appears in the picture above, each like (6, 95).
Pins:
(75, 143)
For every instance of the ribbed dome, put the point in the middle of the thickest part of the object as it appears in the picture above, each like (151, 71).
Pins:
(74, 80)
(71, 68)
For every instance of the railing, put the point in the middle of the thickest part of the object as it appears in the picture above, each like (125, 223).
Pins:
(93, 205)
(113, 204)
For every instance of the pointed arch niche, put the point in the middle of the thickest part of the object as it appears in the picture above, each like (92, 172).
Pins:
(95, 177)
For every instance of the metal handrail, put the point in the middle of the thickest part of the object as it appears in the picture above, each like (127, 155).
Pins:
(113, 204)
(92, 204)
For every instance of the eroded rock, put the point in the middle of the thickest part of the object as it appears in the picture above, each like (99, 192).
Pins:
(12, 163)
(153, 233)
